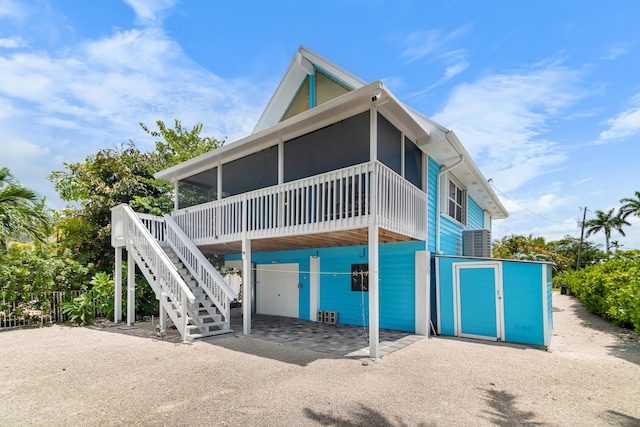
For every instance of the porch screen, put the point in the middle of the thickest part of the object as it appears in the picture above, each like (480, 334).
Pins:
(198, 189)
(252, 172)
(389, 144)
(342, 144)
(412, 163)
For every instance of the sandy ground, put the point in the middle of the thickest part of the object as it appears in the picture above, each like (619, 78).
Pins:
(62, 375)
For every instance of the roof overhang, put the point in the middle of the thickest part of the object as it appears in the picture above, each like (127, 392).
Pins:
(438, 142)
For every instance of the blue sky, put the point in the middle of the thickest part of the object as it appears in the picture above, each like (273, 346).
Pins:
(545, 95)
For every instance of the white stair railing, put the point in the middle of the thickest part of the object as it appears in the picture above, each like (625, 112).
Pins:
(200, 268)
(160, 272)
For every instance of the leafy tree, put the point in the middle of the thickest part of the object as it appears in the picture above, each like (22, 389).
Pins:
(631, 205)
(106, 179)
(179, 144)
(522, 247)
(606, 222)
(22, 212)
(120, 175)
(566, 252)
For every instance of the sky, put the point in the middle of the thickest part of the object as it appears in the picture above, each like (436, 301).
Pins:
(545, 95)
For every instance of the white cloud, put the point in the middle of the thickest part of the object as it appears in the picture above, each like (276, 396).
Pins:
(120, 80)
(501, 119)
(150, 12)
(11, 9)
(12, 42)
(419, 44)
(615, 51)
(624, 124)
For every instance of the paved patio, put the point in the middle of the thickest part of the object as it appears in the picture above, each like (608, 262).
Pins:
(339, 339)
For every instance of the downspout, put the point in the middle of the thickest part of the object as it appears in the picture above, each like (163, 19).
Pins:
(439, 194)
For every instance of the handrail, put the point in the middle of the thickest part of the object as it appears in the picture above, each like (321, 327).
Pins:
(164, 263)
(202, 270)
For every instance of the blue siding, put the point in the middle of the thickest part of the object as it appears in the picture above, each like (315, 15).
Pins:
(523, 311)
(432, 196)
(475, 215)
(396, 286)
(450, 236)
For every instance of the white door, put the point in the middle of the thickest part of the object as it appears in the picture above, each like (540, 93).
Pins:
(277, 289)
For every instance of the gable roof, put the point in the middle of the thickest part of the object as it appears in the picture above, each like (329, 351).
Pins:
(432, 138)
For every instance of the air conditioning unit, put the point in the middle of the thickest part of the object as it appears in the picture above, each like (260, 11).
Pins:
(476, 243)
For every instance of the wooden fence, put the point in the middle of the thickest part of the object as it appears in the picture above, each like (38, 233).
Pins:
(36, 313)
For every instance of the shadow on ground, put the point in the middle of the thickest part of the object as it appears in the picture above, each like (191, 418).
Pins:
(620, 419)
(504, 412)
(365, 416)
(626, 347)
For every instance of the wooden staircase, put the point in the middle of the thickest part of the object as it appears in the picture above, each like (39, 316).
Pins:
(203, 317)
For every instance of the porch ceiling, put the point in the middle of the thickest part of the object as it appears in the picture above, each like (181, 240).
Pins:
(354, 237)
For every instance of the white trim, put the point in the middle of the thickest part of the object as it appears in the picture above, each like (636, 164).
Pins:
(374, 294)
(314, 288)
(545, 306)
(499, 296)
(438, 310)
(421, 303)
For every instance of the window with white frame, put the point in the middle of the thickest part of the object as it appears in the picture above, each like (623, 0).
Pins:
(457, 202)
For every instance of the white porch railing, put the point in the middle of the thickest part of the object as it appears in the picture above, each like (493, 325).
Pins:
(334, 201)
(201, 269)
(156, 266)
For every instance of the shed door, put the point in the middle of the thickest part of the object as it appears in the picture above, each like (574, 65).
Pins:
(277, 289)
(478, 290)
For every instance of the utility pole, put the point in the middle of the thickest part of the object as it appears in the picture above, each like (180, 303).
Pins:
(584, 218)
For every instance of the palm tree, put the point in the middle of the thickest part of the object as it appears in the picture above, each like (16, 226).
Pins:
(606, 222)
(22, 212)
(631, 206)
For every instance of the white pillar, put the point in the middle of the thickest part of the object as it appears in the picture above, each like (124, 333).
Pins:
(131, 289)
(117, 282)
(374, 277)
(314, 288)
(162, 321)
(247, 286)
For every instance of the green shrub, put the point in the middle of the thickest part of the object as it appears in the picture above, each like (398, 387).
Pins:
(610, 289)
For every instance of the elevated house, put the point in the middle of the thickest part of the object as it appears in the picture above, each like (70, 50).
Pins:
(343, 205)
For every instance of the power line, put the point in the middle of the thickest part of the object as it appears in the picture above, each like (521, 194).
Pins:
(524, 207)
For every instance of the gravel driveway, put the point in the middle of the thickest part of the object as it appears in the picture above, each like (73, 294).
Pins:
(63, 375)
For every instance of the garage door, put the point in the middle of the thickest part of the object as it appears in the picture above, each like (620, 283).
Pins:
(478, 290)
(277, 289)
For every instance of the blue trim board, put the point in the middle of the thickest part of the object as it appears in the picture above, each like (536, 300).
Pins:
(433, 168)
(396, 286)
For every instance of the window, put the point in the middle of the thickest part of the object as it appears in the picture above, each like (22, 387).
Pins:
(360, 277)
(457, 202)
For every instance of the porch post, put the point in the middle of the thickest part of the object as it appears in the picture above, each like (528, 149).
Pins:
(247, 286)
(374, 276)
(131, 289)
(117, 282)
(162, 321)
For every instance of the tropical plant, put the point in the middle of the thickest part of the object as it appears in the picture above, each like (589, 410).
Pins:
(610, 289)
(631, 205)
(22, 212)
(606, 222)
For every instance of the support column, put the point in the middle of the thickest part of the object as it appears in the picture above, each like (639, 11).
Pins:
(247, 286)
(131, 289)
(117, 282)
(162, 321)
(314, 288)
(374, 277)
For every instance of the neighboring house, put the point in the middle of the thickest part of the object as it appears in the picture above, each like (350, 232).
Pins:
(344, 205)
